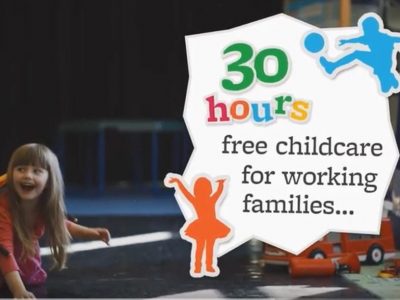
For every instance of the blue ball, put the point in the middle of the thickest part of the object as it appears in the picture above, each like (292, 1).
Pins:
(314, 42)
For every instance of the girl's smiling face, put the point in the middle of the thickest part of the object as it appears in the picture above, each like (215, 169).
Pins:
(29, 181)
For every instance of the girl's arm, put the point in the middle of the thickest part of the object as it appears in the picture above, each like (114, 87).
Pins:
(177, 182)
(8, 265)
(219, 190)
(83, 232)
(17, 287)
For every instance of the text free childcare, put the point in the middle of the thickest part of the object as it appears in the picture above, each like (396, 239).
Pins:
(310, 146)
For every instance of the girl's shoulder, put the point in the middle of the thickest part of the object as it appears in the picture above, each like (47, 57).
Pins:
(4, 204)
(5, 213)
(3, 180)
(4, 192)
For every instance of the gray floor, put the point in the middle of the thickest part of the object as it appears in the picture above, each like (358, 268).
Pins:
(161, 268)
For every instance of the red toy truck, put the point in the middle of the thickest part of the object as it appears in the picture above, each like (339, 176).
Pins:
(371, 248)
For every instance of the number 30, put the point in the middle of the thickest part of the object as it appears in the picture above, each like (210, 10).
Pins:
(248, 73)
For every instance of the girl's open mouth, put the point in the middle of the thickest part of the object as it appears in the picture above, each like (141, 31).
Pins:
(27, 187)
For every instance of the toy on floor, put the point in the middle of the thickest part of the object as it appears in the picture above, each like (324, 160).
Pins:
(392, 270)
(304, 267)
(370, 248)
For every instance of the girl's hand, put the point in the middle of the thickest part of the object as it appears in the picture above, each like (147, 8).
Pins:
(16, 286)
(103, 235)
(24, 294)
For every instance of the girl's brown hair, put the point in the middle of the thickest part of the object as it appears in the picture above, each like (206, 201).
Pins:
(51, 207)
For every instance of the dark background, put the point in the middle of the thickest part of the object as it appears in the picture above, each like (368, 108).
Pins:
(66, 60)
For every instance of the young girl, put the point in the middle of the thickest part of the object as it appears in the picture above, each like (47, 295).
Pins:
(32, 201)
(203, 231)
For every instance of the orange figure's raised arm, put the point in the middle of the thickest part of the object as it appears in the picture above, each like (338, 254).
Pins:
(220, 189)
(175, 181)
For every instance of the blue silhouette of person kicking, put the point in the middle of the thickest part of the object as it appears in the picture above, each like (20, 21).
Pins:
(380, 55)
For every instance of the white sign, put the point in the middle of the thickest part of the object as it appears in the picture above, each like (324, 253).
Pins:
(305, 153)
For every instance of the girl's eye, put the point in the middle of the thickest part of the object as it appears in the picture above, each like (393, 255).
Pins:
(20, 169)
(38, 171)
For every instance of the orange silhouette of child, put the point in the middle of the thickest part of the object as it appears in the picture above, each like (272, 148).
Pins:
(203, 231)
